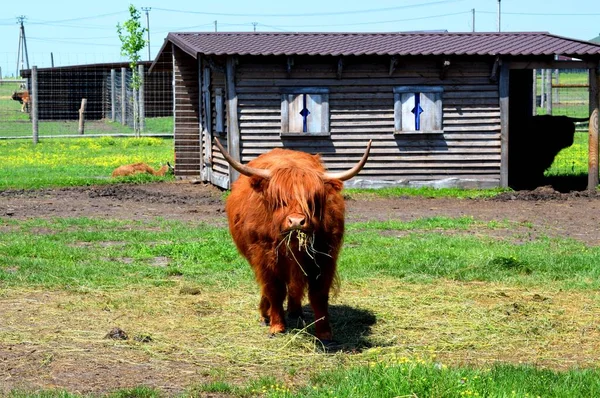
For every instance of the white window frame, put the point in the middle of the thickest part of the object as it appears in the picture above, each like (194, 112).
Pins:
(433, 96)
(291, 94)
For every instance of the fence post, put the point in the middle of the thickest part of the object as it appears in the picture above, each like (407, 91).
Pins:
(594, 80)
(141, 107)
(82, 115)
(549, 92)
(34, 104)
(534, 94)
(123, 95)
(542, 88)
(113, 94)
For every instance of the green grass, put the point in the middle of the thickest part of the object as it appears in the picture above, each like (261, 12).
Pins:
(571, 161)
(75, 162)
(17, 124)
(97, 254)
(426, 192)
(405, 378)
(414, 270)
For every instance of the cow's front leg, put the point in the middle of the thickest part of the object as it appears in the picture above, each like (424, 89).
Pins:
(318, 295)
(274, 292)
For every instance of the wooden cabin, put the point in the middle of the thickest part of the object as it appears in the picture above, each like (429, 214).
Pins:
(438, 106)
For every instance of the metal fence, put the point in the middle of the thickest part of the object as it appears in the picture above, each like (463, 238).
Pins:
(88, 99)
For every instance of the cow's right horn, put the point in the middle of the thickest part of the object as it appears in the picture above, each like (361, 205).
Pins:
(243, 169)
(348, 174)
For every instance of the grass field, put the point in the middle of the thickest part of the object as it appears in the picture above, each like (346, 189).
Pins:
(529, 299)
(82, 161)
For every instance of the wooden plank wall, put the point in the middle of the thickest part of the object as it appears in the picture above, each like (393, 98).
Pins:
(362, 108)
(187, 118)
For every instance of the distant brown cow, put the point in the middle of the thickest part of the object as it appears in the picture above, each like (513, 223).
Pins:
(286, 216)
(137, 168)
(23, 98)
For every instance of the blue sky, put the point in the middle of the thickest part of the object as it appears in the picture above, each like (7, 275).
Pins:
(75, 32)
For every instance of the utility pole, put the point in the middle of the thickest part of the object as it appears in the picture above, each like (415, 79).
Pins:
(215, 25)
(473, 12)
(499, 16)
(146, 10)
(22, 55)
(254, 24)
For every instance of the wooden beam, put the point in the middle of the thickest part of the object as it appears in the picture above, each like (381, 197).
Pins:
(340, 67)
(594, 100)
(205, 168)
(233, 129)
(290, 63)
(445, 67)
(393, 64)
(494, 73)
(504, 133)
(551, 64)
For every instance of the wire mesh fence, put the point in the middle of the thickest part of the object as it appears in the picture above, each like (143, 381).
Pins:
(566, 93)
(101, 95)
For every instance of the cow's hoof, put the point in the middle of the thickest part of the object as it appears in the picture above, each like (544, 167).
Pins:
(274, 329)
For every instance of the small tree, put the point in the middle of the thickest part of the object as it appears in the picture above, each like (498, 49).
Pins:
(131, 34)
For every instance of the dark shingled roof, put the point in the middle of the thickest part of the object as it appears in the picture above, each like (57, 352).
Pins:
(402, 44)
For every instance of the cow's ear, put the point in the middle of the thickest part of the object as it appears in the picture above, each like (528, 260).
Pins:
(335, 184)
(259, 184)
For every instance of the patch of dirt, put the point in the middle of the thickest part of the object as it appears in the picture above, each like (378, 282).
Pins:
(575, 214)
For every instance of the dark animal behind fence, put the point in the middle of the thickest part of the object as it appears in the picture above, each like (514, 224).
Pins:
(534, 143)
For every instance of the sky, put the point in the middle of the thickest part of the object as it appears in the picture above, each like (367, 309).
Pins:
(69, 32)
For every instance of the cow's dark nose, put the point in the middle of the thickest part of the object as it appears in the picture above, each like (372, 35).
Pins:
(296, 221)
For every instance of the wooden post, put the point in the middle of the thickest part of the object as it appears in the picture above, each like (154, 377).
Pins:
(82, 115)
(113, 94)
(123, 96)
(542, 88)
(504, 106)
(233, 132)
(136, 113)
(534, 94)
(141, 107)
(594, 100)
(34, 104)
(549, 92)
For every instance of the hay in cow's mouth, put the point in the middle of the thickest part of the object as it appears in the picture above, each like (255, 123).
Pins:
(305, 244)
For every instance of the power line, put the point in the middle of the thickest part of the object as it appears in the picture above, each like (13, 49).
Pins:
(378, 22)
(313, 14)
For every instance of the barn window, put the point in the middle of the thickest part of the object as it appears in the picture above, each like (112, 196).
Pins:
(418, 110)
(305, 112)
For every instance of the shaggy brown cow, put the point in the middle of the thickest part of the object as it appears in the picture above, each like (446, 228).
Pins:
(136, 168)
(23, 98)
(286, 216)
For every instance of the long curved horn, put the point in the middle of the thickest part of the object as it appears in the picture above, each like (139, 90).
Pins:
(243, 169)
(348, 174)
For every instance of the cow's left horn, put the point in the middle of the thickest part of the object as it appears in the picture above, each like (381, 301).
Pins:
(243, 169)
(348, 174)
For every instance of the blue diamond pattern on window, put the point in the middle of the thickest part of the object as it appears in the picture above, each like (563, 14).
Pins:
(417, 110)
(304, 113)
